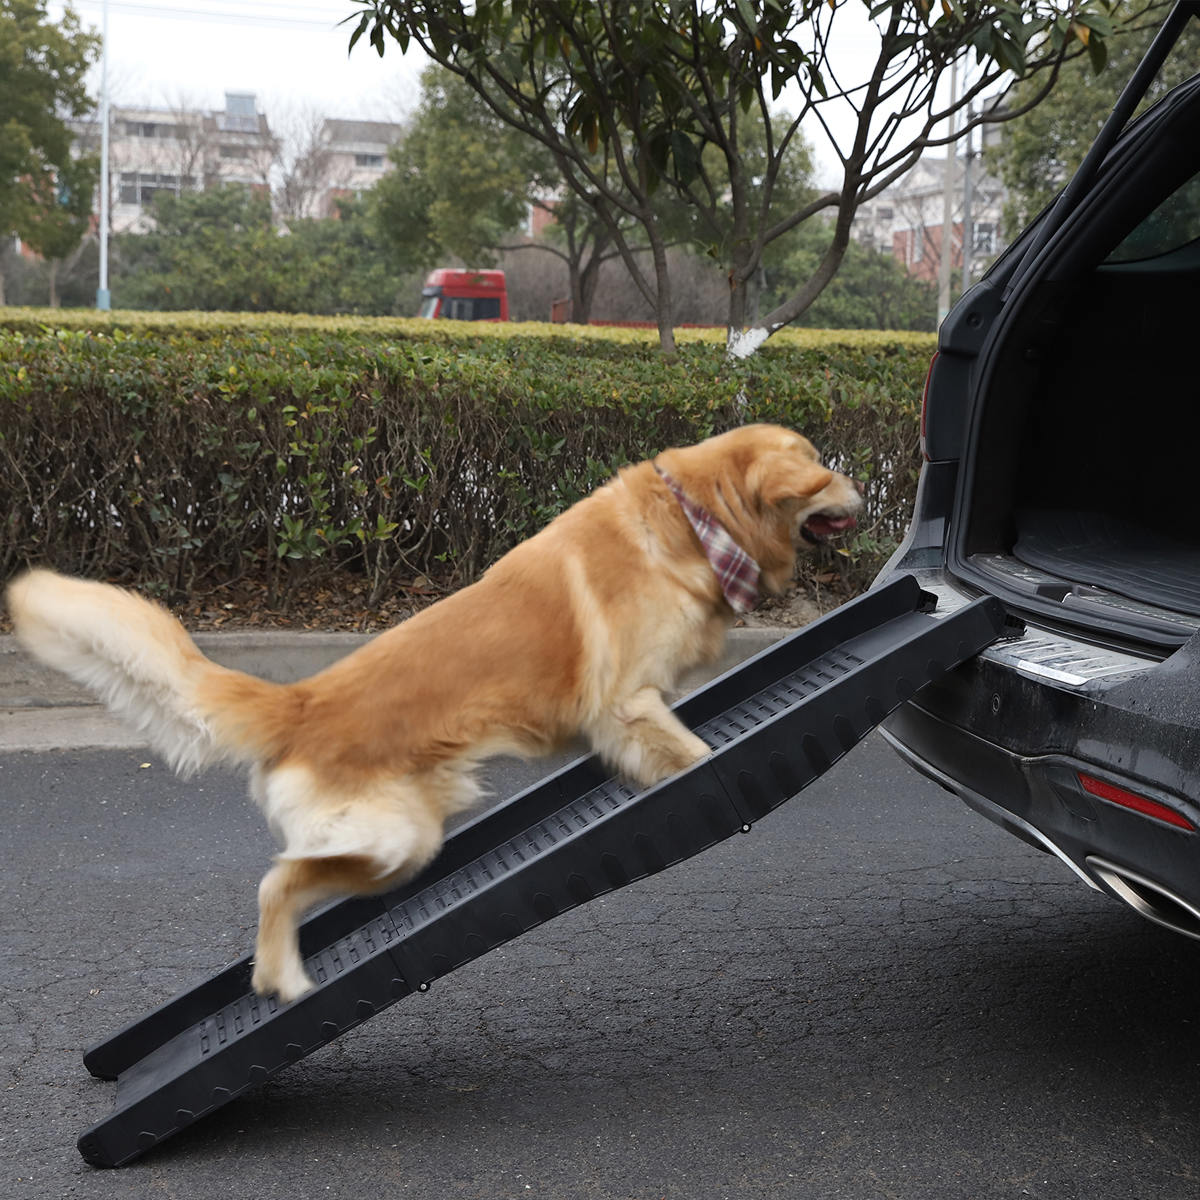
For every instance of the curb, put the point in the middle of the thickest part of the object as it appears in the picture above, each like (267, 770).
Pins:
(43, 710)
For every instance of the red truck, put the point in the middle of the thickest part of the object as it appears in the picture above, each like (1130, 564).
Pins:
(465, 295)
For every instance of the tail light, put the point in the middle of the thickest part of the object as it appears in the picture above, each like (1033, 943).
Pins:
(1130, 800)
(925, 405)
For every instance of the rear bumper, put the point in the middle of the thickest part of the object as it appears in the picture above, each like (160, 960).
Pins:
(1024, 775)
(1010, 731)
(963, 758)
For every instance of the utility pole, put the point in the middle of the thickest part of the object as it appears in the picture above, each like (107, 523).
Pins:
(947, 251)
(968, 235)
(103, 296)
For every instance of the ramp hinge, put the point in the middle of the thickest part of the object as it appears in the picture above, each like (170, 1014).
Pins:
(927, 602)
(1014, 628)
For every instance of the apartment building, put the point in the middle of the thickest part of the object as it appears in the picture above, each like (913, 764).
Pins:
(907, 219)
(152, 150)
(355, 158)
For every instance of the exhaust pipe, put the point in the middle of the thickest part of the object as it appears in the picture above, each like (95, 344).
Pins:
(1147, 898)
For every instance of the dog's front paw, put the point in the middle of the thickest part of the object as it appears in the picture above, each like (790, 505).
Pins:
(686, 757)
(694, 749)
(660, 761)
(287, 984)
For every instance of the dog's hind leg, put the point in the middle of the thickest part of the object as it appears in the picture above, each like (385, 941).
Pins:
(337, 842)
(294, 884)
(644, 740)
(287, 891)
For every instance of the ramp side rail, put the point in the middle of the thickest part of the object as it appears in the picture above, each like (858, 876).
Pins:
(775, 723)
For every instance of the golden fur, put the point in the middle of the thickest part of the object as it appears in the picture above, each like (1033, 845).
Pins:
(578, 630)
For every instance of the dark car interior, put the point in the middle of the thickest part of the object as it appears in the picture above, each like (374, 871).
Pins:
(1087, 459)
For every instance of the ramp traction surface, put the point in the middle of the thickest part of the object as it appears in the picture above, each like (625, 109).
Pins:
(775, 723)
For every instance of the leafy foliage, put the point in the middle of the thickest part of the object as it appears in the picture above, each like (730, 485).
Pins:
(635, 98)
(870, 291)
(462, 180)
(1040, 150)
(178, 451)
(219, 250)
(45, 194)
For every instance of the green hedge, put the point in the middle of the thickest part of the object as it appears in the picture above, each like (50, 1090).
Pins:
(175, 451)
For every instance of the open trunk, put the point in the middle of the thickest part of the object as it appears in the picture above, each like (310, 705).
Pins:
(1080, 491)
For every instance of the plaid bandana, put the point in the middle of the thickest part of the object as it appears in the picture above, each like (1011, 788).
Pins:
(736, 571)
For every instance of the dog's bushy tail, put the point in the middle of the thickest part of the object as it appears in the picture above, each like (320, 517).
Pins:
(141, 662)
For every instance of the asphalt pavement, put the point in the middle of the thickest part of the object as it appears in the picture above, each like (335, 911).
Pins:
(875, 993)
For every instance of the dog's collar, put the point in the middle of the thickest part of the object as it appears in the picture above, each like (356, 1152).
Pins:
(736, 571)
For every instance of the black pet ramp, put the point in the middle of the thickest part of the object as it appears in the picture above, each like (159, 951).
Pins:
(775, 723)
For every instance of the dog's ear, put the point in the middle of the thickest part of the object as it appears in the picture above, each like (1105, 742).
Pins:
(780, 476)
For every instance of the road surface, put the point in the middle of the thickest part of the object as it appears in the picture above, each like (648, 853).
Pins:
(875, 993)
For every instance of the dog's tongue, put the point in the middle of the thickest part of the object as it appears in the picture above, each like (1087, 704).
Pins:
(827, 526)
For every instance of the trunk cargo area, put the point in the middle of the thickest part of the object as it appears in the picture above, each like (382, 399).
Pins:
(1111, 552)
(1085, 476)
(1080, 484)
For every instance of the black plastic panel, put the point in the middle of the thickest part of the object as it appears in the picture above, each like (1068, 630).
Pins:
(775, 723)
(1112, 553)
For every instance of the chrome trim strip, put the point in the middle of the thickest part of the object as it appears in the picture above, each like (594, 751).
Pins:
(1041, 653)
(1052, 656)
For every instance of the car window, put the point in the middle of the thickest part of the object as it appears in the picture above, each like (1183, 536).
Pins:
(1173, 224)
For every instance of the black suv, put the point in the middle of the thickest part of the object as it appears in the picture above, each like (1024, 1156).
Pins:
(1061, 432)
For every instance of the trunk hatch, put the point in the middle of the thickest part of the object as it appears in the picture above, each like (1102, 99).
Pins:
(1077, 497)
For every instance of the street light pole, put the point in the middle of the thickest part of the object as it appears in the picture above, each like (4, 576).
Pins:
(947, 251)
(968, 234)
(103, 296)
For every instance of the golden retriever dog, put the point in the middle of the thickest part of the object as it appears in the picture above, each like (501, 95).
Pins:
(578, 630)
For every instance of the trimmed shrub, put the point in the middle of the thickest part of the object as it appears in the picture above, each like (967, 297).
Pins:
(176, 451)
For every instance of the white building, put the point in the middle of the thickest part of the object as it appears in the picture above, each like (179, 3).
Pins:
(152, 150)
(356, 158)
(906, 219)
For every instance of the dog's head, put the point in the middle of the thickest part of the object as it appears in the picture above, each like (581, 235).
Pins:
(767, 486)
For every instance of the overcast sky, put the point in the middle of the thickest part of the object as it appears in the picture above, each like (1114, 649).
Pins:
(292, 54)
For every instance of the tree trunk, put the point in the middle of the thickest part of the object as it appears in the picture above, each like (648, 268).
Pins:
(574, 279)
(741, 270)
(741, 343)
(663, 314)
(737, 302)
(583, 289)
(52, 280)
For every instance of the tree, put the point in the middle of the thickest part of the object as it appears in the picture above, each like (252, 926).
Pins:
(581, 240)
(307, 165)
(1040, 151)
(56, 228)
(644, 87)
(462, 187)
(870, 291)
(339, 266)
(45, 197)
(213, 249)
(27, 280)
(461, 180)
(219, 249)
(710, 224)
